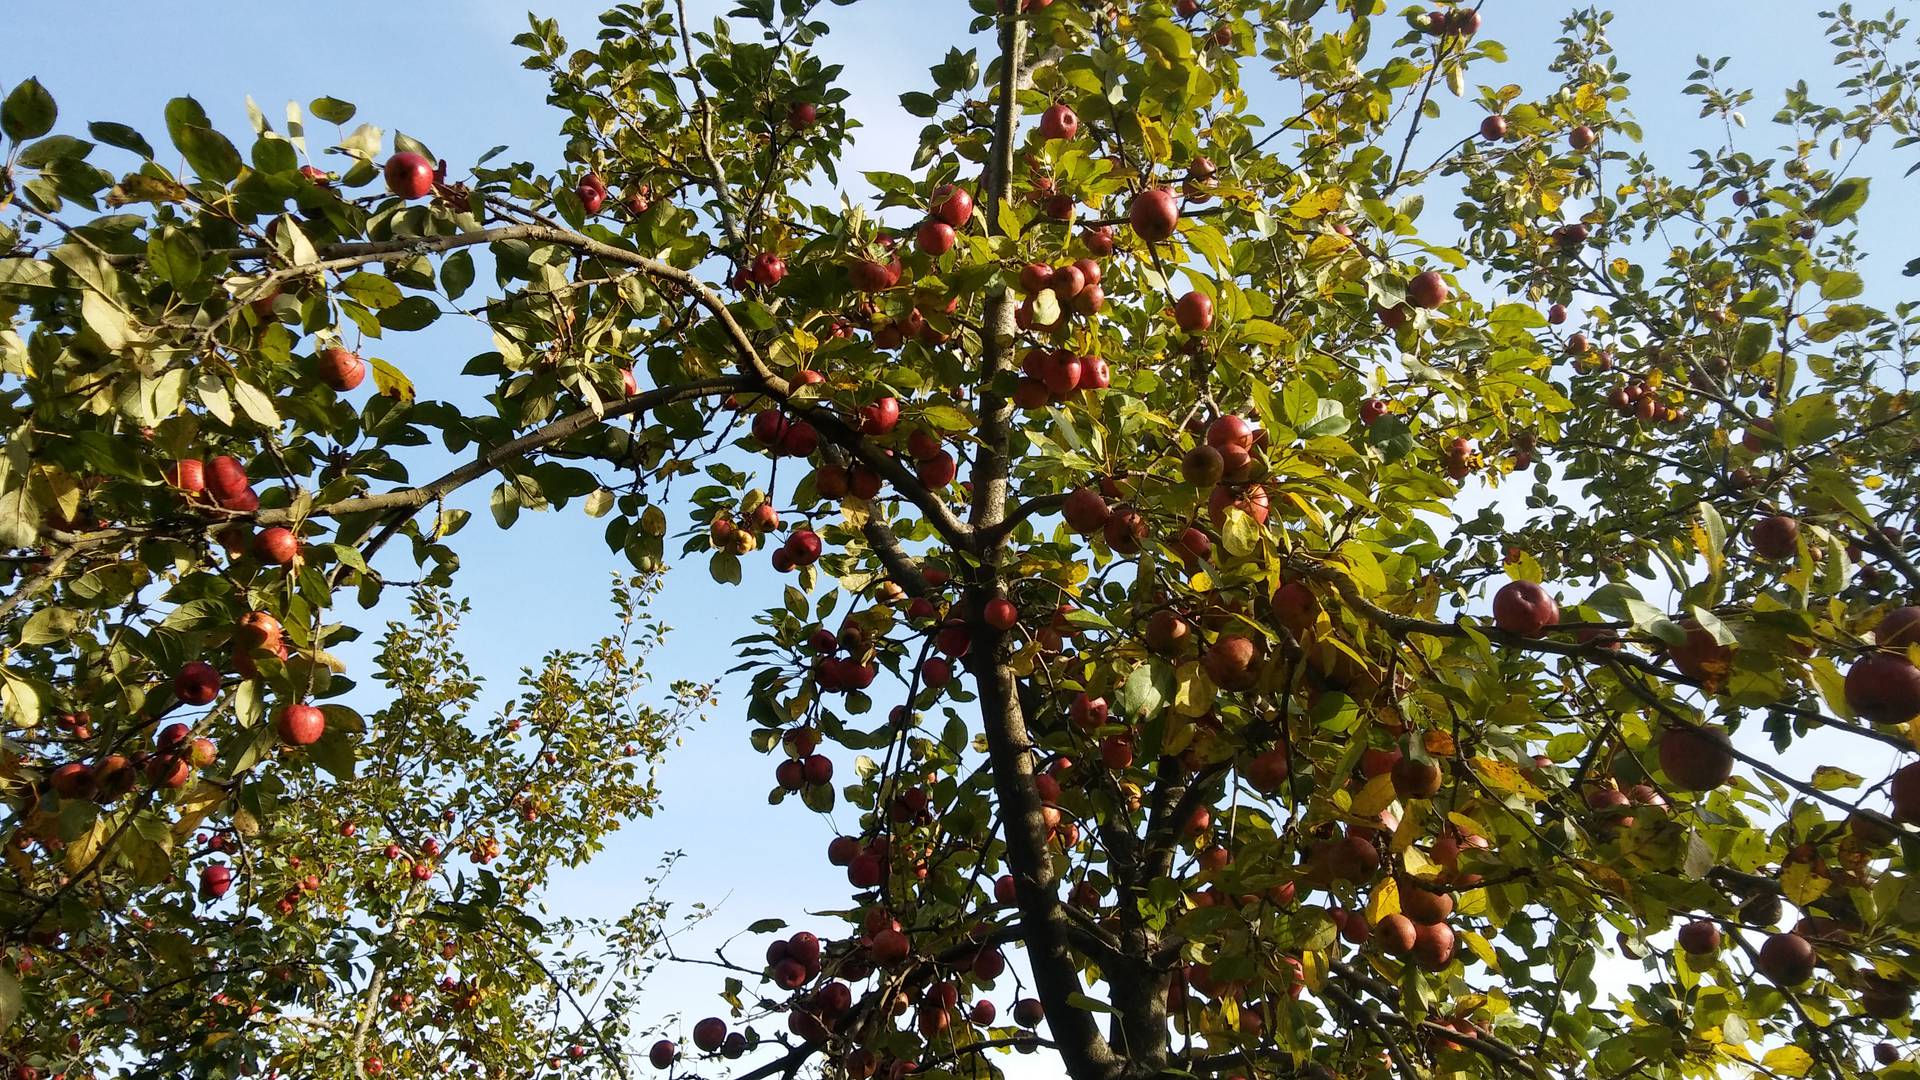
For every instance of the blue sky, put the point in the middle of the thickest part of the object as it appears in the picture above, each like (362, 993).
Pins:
(446, 73)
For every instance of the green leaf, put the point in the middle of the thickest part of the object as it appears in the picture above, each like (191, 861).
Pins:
(23, 700)
(332, 110)
(372, 290)
(28, 112)
(206, 150)
(1147, 690)
(456, 274)
(413, 313)
(10, 1000)
(505, 504)
(256, 404)
(1841, 201)
(122, 136)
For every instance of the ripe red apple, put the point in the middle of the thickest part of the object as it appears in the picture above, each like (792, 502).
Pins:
(277, 546)
(767, 268)
(1202, 466)
(1581, 137)
(1125, 529)
(934, 238)
(409, 175)
(1093, 370)
(1268, 771)
(1433, 946)
(1786, 959)
(215, 880)
(1250, 499)
(226, 480)
(803, 547)
(1167, 633)
(1061, 373)
(592, 192)
(1422, 904)
(662, 1053)
(890, 947)
(1899, 628)
(1371, 410)
(1153, 214)
(74, 780)
(1098, 240)
(1557, 314)
(1194, 312)
(1427, 289)
(953, 205)
(1695, 758)
(1524, 608)
(1776, 536)
(1493, 128)
(188, 476)
(1233, 662)
(801, 116)
(1701, 937)
(1904, 790)
(1884, 687)
(340, 368)
(1087, 712)
(1396, 934)
(880, 417)
(197, 683)
(1028, 1012)
(1085, 511)
(939, 471)
(299, 724)
(1001, 614)
(1059, 122)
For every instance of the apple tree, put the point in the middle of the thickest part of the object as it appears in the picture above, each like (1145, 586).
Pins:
(1251, 622)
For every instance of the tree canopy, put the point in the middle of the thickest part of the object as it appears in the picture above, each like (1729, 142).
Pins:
(1262, 624)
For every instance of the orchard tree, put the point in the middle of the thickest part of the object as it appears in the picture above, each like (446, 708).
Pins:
(1258, 627)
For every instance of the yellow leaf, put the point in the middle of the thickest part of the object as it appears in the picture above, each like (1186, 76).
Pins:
(1376, 796)
(1193, 691)
(82, 849)
(1200, 582)
(1587, 99)
(1324, 201)
(1482, 949)
(1801, 886)
(1155, 138)
(195, 806)
(1385, 901)
(1506, 779)
(1788, 1061)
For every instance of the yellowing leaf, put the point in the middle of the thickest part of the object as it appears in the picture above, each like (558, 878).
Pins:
(1802, 886)
(1324, 201)
(389, 381)
(1506, 779)
(1788, 1061)
(1193, 692)
(1375, 797)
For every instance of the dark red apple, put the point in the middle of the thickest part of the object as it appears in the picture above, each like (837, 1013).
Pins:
(1884, 687)
(198, 683)
(1427, 289)
(1524, 608)
(277, 546)
(1695, 758)
(1786, 959)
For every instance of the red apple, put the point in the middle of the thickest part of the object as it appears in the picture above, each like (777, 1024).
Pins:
(1427, 289)
(1059, 122)
(1154, 215)
(409, 175)
(300, 724)
(1194, 312)
(1524, 608)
